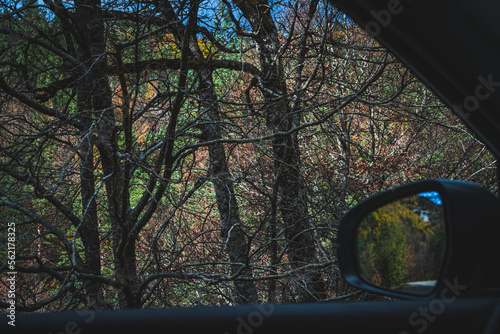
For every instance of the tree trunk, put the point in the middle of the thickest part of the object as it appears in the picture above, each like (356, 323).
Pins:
(231, 226)
(234, 236)
(95, 100)
(280, 118)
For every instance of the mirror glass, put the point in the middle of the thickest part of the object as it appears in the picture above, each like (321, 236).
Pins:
(401, 244)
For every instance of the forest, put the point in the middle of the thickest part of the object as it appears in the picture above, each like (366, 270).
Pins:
(402, 242)
(171, 153)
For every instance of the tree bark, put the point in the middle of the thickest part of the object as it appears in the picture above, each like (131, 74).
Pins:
(94, 99)
(234, 236)
(281, 119)
(231, 226)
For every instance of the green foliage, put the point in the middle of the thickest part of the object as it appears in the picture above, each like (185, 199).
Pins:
(402, 242)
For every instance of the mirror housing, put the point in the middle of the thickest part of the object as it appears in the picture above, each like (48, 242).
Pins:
(471, 258)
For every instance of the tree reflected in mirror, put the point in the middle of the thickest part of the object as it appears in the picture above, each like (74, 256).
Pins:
(401, 244)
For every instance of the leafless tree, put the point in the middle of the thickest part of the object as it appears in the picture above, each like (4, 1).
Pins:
(170, 153)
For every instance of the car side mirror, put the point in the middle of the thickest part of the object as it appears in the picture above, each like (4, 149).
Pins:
(416, 240)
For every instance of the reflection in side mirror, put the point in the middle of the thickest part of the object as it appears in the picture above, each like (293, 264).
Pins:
(401, 244)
